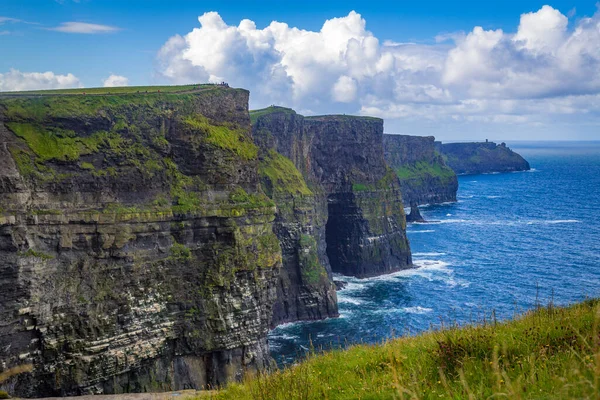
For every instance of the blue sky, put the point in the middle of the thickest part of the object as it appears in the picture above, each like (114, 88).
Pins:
(406, 31)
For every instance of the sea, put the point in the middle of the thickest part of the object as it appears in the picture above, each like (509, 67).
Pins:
(512, 242)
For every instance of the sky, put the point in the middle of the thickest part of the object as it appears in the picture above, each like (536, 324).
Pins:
(458, 70)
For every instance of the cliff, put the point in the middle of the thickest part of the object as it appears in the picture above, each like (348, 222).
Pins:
(481, 158)
(137, 250)
(357, 196)
(305, 289)
(424, 176)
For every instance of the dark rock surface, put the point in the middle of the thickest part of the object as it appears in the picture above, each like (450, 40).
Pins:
(481, 158)
(424, 176)
(137, 250)
(148, 244)
(341, 160)
(415, 214)
(305, 290)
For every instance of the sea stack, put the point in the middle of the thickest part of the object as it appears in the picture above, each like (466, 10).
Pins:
(415, 214)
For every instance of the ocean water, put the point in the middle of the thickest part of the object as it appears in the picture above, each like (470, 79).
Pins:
(510, 242)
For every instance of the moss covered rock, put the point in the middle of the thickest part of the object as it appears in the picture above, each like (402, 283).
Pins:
(424, 176)
(137, 250)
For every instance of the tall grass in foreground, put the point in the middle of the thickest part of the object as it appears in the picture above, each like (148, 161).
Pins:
(548, 353)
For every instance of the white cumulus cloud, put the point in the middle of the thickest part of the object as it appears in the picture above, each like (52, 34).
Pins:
(529, 76)
(116, 80)
(15, 80)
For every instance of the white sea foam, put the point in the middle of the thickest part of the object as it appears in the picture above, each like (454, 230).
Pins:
(493, 197)
(552, 222)
(454, 282)
(349, 300)
(417, 310)
(432, 265)
(448, 215)
(425, 231)
(323, 335)
(352, 285)
(282, 336)
(444, 221)
(428, 254)
(403, 310)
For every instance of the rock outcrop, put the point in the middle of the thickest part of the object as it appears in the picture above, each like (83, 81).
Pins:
(137, 250)
(424, 176)
(481, 158)
(415, 214)
(341, 160)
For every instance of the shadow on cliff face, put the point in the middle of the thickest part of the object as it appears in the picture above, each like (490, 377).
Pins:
(360, 243)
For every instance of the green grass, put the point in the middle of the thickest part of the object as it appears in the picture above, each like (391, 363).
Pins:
(256, 114)
(36, 254)
(57, 144)
(53, 106)
(338, 117)
(282, 175)
(239, 197)
(549, 353)
(311, 270)
(115, 90)
(224, 137)
(424, 169)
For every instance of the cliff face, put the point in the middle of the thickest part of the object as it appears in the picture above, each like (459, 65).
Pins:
(137, 250)
(480, 158)
(305, 290)
(424, 176)
(341, 160)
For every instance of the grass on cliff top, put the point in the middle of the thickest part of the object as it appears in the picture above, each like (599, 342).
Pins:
(115, 90)
(256, 114)
(548, 353)
(338, 117)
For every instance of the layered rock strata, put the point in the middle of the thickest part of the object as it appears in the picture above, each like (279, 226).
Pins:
(137, 250)
(424, 176)
(305, 289)
(341, 160)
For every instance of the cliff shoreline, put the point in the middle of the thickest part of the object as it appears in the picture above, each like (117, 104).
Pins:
(149, 241)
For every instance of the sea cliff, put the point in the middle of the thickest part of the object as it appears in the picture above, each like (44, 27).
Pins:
(148, 241)
(481, 157)
(137, 250)
(424, 176)
(341, 159)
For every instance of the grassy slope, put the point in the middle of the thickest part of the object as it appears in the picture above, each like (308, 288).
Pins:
(129, 143)
(423, 170)
(551, 353)
(255, 114)
(114, 90)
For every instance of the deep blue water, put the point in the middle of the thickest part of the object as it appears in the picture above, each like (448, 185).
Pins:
(510, 241)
